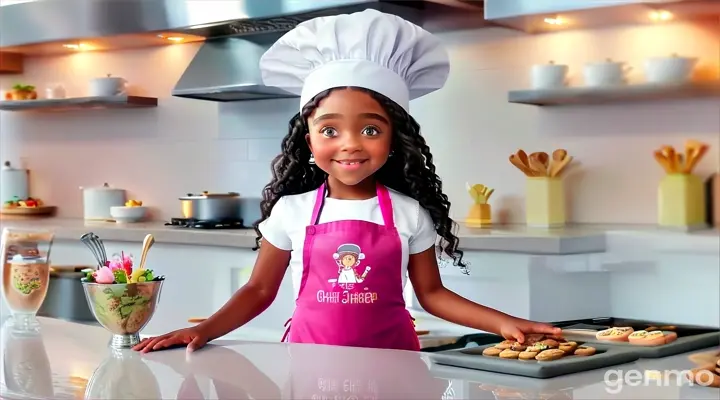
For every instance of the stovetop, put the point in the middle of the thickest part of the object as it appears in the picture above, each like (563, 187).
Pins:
(206, 224)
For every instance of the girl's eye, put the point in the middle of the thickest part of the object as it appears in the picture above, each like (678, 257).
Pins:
(329, 132)
(370, 131)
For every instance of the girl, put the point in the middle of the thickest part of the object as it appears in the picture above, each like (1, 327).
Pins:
(354, 206)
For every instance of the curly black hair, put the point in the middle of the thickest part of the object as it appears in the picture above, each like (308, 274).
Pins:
(293, 174)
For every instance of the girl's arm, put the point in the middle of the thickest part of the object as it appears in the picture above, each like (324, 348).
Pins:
(445, 304)
(254, 297)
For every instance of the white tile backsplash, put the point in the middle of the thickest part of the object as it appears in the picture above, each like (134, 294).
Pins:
(188, 145)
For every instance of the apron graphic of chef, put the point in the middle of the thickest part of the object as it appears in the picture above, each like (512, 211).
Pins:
(348, 258)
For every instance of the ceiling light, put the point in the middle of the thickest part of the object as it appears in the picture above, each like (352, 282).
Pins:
(554, 21)
(77, 46)
(660, 15)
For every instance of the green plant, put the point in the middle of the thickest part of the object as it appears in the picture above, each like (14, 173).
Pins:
(23, 88)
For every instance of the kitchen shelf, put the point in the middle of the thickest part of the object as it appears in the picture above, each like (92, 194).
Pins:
(619, 94)
(79, 103)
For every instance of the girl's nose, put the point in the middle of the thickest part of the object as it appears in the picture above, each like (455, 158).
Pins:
(351, 143)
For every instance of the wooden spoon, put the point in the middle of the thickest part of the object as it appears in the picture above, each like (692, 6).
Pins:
(663, 161)
(147, 244)
(557, 157)
(559, 167)
(536, 165)
(544, 159)
(669, 154)
(196, 320)
(695, 151)
(517, 162)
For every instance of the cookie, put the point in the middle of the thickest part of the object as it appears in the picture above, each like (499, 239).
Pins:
(568, 347)
(537, 347)
(551, 343)
(492, 352)
(666, 328)
(505, 345)
(518, 347)
(550, 355)
(584, 351)
(619, 334)
(717, 371)
(510, 354)
(527, 355)
(718, 363)
(651, 328)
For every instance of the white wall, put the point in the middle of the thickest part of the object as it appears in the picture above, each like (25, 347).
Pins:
(187, 145)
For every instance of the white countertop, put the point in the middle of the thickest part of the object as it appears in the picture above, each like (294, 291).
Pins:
(573, 239)
(70, 360)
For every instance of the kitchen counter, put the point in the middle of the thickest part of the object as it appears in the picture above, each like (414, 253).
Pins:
(574, 239)
(69, 360)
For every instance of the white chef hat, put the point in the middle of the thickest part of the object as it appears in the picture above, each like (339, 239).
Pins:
(368, 49)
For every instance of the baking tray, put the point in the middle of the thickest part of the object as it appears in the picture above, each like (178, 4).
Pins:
(472, 358)
(690, 338)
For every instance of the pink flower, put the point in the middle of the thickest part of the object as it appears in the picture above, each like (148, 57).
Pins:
(127, 264)
(104, 275)
(115, 265)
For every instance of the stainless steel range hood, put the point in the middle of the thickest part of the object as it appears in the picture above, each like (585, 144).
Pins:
(536, 16)
(226, 66)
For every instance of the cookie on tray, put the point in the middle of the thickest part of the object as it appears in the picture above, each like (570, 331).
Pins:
(550, 355)
(509, 354)
(584, 351)
(492, 352)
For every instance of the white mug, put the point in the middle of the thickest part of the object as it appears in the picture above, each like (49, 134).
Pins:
(549, 76)
(108, 86)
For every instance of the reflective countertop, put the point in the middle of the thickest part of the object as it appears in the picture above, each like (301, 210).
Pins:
(73, 361)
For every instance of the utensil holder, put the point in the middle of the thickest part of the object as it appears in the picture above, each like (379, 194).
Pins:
(480, 216)
(544, 202)
(681, 202)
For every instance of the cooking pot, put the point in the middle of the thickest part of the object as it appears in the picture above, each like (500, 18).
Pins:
(65, 297)
(211, 206)
(97, 201)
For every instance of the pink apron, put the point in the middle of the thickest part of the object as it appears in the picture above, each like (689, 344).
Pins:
(351, 290)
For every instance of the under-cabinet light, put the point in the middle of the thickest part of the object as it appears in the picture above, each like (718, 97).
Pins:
(660, 15)
(554, 21)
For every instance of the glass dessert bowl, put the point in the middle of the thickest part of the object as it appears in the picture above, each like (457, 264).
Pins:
(124, 309)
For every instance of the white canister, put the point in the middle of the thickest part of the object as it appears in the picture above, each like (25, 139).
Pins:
(13, 183)
(97, 201)
(606, 73)
(108, 86)
(549, 76)
(670, 70)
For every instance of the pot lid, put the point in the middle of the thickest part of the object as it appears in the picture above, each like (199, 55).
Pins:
(208, 195)
(8, 167)
(105, 186)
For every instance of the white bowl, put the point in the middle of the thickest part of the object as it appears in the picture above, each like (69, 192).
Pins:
(122, 214)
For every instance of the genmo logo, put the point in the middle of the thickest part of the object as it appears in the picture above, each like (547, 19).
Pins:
(616, 380)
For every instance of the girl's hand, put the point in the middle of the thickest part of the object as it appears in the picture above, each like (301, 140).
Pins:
(516, 329)
(193, 338)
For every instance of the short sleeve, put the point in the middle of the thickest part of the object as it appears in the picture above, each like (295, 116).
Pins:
(425, 236)
(273, 229)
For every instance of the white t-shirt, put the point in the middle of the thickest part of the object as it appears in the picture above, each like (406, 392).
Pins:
(285, 228)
